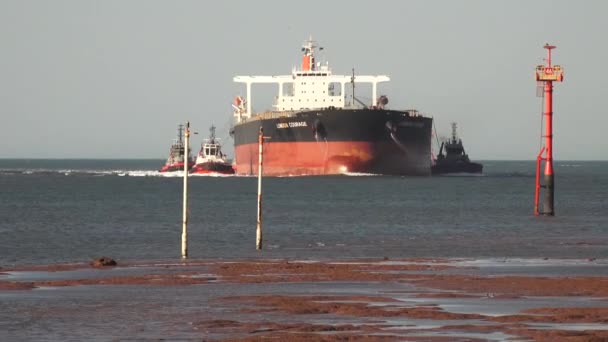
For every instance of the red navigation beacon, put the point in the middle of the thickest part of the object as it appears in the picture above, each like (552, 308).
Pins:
(547, 74)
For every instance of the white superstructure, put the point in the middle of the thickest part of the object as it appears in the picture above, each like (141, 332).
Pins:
(313, 86)
(210, 150)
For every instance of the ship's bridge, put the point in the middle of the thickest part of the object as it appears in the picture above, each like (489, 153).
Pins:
(311, 87)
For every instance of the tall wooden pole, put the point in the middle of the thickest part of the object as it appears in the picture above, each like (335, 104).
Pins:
(185, 200)
(258, 239)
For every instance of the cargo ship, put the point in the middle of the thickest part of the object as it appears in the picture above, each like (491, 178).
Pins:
(455, 160)
(317, 126)
(211, 159)
(175, 161)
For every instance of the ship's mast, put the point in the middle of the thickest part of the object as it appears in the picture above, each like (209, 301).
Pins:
(453, 132)
(352, 82)
(212, 133)
(180, 130)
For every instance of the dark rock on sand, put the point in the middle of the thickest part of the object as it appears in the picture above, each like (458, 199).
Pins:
(103, 262)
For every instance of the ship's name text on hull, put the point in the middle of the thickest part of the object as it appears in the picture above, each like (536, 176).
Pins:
(292, 124)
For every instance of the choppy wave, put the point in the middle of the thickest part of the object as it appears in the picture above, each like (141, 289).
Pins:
(155, 173)
(509, 174)
(359, 174)
(120, 173)
(137, 173)
(351, 174)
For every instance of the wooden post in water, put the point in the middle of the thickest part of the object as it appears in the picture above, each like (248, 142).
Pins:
(185, 200)
(258, 239)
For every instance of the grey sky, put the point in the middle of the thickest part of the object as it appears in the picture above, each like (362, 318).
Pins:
(112, 79)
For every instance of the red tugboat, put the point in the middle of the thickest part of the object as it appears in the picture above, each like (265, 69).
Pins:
(175, 162)
(210, 159)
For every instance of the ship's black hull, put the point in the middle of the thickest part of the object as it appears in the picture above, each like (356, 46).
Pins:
(456, 167)
(334, 141)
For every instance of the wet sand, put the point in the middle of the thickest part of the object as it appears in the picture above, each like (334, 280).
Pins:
(349, 300)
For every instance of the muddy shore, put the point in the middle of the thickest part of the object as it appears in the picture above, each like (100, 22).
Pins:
(416, 299)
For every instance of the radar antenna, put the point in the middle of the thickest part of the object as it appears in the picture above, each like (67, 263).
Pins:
(454, 135)
(180, 131)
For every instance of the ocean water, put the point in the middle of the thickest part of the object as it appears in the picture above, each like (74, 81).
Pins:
(74, 210)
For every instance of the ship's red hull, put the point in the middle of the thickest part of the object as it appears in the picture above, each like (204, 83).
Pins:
(175, 167)
(212, 168)
(326, 158)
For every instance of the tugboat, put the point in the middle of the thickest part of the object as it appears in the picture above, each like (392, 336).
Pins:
(455, 159)
(210, 159)
(175, 162)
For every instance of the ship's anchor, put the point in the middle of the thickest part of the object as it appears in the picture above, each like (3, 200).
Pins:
(319, 130)
(392, 129)
(320, 133)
